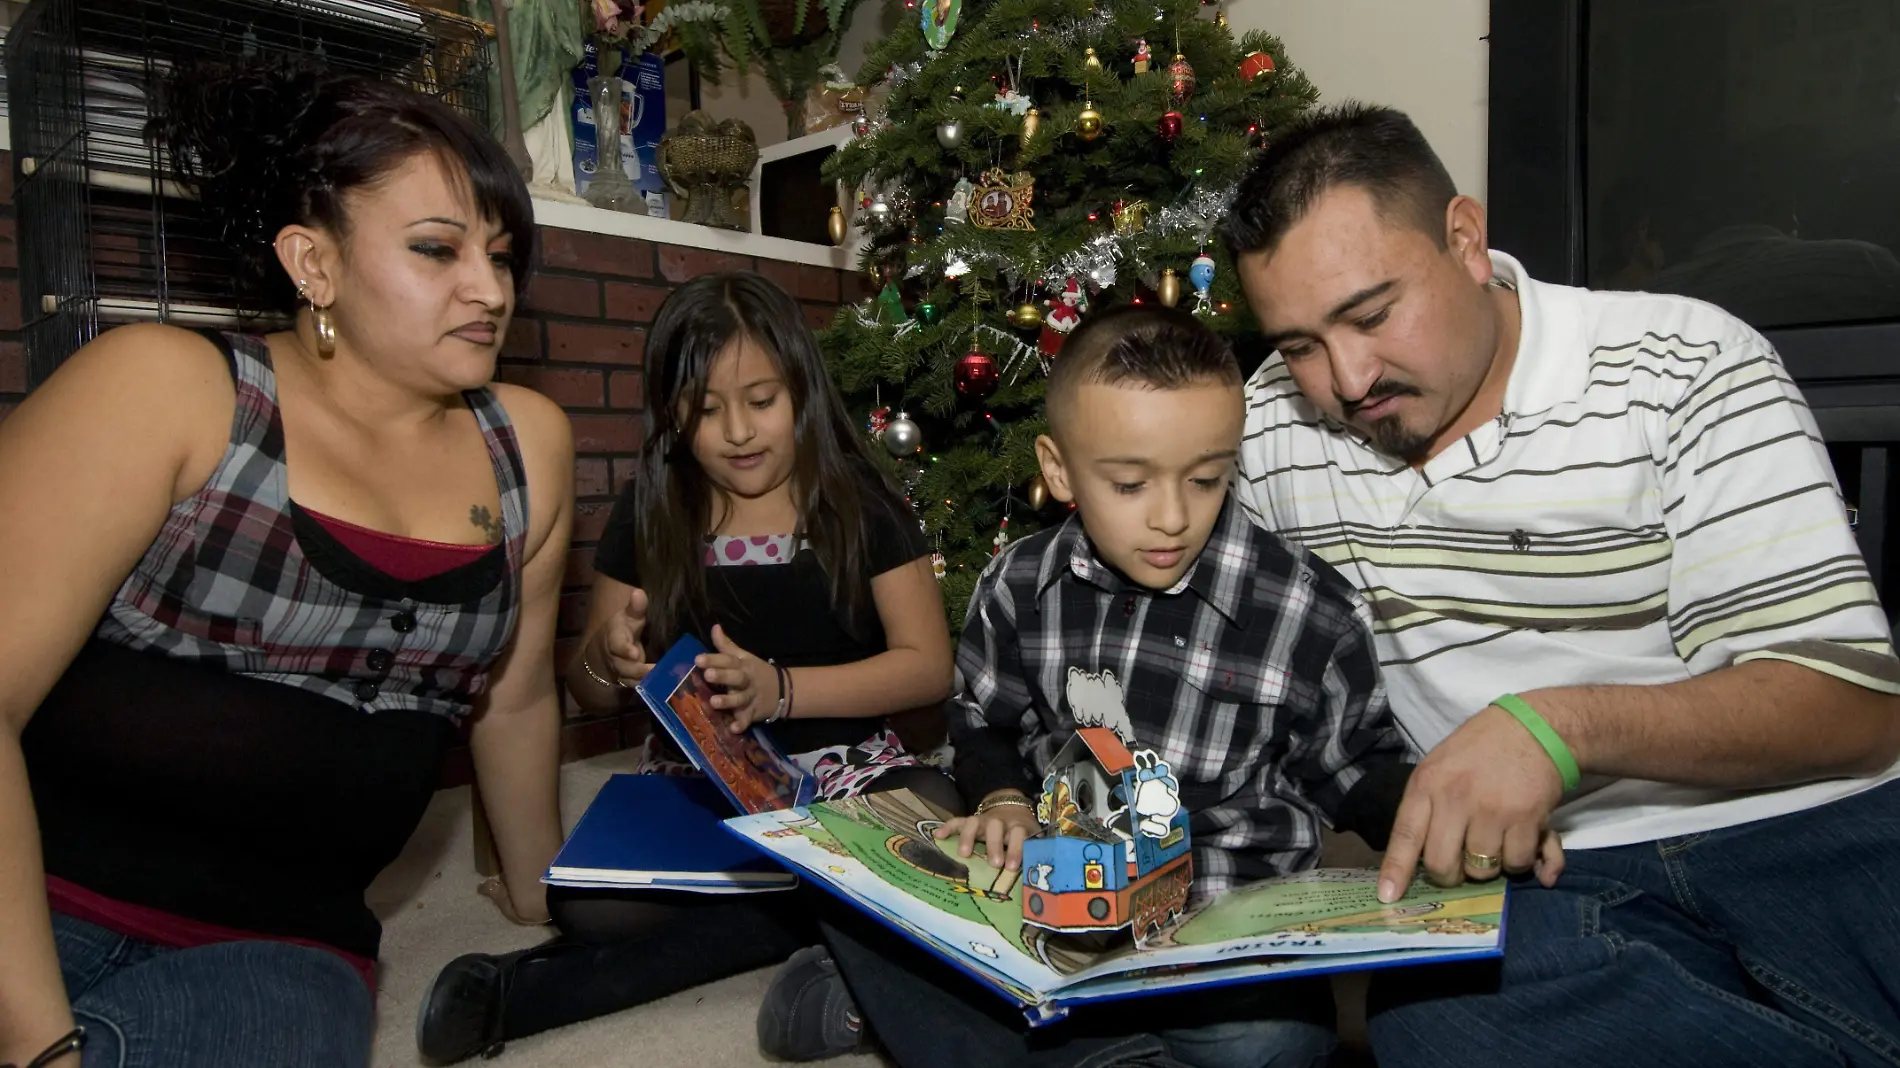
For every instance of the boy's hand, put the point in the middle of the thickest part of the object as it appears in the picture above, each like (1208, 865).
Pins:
(625, 657)
(1002, 829)
(750, 683)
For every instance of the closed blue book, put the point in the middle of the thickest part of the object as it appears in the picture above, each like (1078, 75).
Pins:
(662, 832)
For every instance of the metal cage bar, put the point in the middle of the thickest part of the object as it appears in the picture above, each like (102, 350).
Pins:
(103, 236)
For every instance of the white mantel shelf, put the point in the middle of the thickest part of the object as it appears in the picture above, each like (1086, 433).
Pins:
(588, 218)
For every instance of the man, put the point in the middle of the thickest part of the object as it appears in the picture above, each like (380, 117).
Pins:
(1617, 598)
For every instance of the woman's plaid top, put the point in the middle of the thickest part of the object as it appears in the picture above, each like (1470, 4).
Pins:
(1254, 677)
(241, 579)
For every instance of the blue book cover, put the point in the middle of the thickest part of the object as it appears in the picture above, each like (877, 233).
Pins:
(754, 774)
(662, 831)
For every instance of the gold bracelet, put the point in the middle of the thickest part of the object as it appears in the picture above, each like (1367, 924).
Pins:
(1004, 801)
(611, 684)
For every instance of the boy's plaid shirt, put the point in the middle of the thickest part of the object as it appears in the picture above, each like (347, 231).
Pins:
(1254, 677)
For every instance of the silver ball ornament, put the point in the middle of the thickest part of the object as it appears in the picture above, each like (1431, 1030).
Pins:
(903, 437)
(950, 133)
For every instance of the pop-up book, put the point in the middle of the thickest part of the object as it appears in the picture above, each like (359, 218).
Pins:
(1114, 855)
(1113, 851)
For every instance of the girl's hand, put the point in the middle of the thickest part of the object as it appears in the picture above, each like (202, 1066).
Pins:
(1002, 830)
(751, 684)
(620, 641)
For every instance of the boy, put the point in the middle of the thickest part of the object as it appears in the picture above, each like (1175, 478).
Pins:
(1245, 664)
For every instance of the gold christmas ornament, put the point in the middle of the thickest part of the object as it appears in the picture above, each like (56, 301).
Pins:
(1032, 121)
(1130, 217)
(1088, 125)
(1001, 200)
(1220, 19)
(1170, 288)
(1037, 492)
(1026, 316)
(834, 226)
(1091, 63)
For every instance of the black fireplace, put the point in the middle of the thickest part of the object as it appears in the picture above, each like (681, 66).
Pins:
(1744, 152)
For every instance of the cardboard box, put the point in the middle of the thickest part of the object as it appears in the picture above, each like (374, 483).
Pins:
(642, 124)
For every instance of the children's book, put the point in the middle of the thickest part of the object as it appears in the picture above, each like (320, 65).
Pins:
(878, 852)
(662, 832)
(747, 767)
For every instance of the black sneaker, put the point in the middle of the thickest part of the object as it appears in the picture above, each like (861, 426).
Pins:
(807, 1014)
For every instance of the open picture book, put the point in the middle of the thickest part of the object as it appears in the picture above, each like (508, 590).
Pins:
(748, 768)
(878, 853)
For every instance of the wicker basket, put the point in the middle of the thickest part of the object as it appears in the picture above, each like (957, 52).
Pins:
(690, 158)
(704, 161)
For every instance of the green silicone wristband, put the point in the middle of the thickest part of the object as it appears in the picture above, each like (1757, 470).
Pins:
(1546, 736)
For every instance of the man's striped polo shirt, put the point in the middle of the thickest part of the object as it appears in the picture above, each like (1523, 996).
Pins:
(1653, 503)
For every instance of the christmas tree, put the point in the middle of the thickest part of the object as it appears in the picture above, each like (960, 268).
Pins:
(1032, 159)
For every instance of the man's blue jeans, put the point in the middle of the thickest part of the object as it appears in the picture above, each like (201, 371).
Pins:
(252, 1004)
(1775, 943)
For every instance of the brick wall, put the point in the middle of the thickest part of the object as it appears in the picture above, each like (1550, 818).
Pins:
(580, 339)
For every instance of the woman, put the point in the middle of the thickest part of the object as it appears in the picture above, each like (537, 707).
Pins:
(252, 585)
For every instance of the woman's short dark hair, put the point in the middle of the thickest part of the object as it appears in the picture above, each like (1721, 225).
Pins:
(1375, 148)
(271, 142)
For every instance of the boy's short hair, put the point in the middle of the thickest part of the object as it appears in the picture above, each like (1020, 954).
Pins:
(1141, 344)
(1375, 148)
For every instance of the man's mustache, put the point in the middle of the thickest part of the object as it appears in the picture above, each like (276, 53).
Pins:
(1380, 390)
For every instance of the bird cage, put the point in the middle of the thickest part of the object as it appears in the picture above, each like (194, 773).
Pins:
(103, 237)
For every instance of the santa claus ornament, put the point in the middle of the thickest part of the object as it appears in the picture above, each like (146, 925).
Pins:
(1063, 317)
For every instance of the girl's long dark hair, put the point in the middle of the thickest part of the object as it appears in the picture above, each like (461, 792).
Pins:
(830, 472)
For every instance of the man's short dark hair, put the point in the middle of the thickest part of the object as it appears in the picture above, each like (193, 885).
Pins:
(1377, 149)
(1138, 344)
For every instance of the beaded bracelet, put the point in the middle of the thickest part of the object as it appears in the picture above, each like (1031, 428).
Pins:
(611, 684)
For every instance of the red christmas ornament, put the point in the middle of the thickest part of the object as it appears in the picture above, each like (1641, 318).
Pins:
(976, 375)
(1170, 126)
(1256, 64)
(1180, 79)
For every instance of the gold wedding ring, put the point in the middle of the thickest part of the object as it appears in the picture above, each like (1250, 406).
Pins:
(1481, 861)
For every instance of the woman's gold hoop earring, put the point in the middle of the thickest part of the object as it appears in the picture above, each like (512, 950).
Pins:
(325, 326)
(321, 322)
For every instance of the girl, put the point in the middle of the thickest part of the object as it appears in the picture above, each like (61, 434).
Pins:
(758, 523)
(254, 585)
